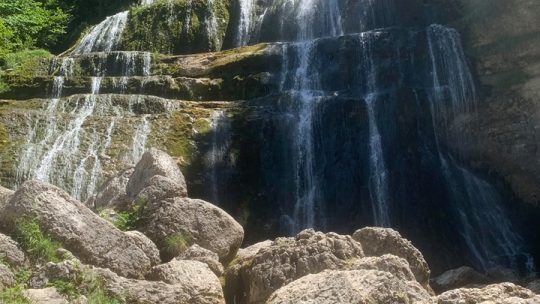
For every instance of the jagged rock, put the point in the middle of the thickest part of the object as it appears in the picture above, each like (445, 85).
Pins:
(197, 253)
(11, 253)
(112, 194)
(397, 266)
(286, 260)
(194, 222)
(534, 286)
(134, 291)
(90, 238)
(5, 194)
(353, 286)
(7, 279)
(45, 296)
(380, 241)
(188, 273)
(505, 293)
(457, 278)
(155, 162)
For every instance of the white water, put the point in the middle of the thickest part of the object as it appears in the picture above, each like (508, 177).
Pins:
(484, 224)
(105, 36)
(379, 190)
(245, 22)
(211, 24)
(221, 141)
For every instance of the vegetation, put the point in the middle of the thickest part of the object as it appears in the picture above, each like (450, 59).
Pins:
(14, 295)
(177, 243)
(37, 244)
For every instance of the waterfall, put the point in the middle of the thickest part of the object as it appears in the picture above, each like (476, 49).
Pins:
(217, 157)
(483, 224)
(245, 22)
(105, 36)
(378, 181)
(211, 24)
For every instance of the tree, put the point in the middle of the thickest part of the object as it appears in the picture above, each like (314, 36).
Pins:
(33, 23)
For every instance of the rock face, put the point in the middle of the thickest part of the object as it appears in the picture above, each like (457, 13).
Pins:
(355, 286)
(380, 241)
(271, 266)
(397, 266)
(155, 163)
(5, 194)
(112, 194)
(457, 278)
(10, 253)
(7, 279)
(90, 238)
(192, 222)
(505, 293)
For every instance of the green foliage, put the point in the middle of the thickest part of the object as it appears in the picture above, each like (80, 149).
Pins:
(99, 296)
(68, 289)
(21, 67)
(177, 243)
(38, 245)
(14, 295)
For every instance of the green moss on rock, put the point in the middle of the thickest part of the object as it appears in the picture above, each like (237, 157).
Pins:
(177, 27)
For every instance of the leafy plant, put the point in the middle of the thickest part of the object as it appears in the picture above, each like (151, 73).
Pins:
(38, 245)
(99, 296)
(14, 295)
(68, 289)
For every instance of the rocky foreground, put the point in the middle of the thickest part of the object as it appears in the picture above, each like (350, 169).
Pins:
(141, 239)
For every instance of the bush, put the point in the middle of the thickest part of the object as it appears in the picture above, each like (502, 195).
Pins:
(38, 245)
(177, 243)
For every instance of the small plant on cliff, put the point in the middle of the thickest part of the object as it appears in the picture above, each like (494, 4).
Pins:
(38, 245)
(177, 243)
(14, 294)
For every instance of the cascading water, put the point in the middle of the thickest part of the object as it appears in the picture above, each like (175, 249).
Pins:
(484, 225)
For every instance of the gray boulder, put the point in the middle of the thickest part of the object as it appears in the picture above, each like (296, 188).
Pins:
(45, 296)
(90, 238)
(285, 260)
(156, 163)
(504, 293)
(188, 273)
(350, 286)
(11, 253)
(380, 241)
(5, 194)
(534, 286)
(197, 253)
(397, 266)
(112, 194)
(457, 278)
(190, 221)
(7, 279)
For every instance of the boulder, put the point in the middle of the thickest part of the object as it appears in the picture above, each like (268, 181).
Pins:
(112, 194)
(159, 187)
(188, 273)
(397, 266)
(350, 286)
(7, 279)
(534, 286)
(45, 296)
(147, 246)
(502, 274)
(155, 162)
(285, 260)
(504, 293)
(11, 253)
(457, 278)
(380, 241)
(135, 291)
(90, 238)
(178, 220)
(5, 194)
(197, 253)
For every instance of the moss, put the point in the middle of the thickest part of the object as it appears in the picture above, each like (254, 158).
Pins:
(20, 68)
(163, 27)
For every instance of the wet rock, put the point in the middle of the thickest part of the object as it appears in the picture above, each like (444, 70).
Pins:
(45, 296)
(155, 162)
(457, 278)
(256, 275)
(90, 238)
(502, 274)
(11, 253)
(505, 293)
(380, 241)
(354, 286)
(197, 253)
(534, 286)
(112, 194)
(174, 221)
